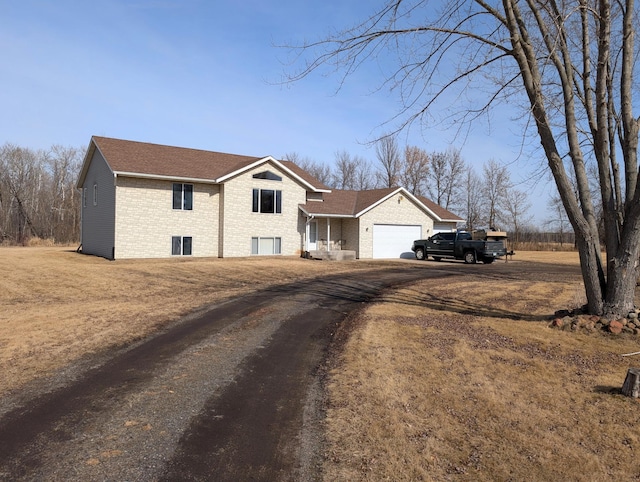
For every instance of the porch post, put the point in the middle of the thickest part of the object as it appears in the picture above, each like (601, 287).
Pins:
(328, 234)
(306, 234)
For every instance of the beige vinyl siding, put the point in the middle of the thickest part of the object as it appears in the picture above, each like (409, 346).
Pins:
(146, 220)
(395, 210)
(240, 224)
(98, 220)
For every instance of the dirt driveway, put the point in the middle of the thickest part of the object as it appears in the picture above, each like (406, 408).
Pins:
(234, 394)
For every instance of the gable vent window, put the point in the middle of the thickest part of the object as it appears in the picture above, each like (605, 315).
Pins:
(267, 175)
(181, 245)
(182, 196)
(267, 201)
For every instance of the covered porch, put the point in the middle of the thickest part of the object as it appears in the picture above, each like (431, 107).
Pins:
(331, 237)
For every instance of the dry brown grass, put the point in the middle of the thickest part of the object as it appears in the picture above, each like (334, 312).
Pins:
(436, 393)
(424, 390)
(57, 306)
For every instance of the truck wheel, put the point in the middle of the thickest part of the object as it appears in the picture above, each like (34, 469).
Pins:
(470, 257)
(420, 254)
(437, 258)
(488, 260)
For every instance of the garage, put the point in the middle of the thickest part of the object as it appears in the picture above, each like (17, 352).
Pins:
(394, 240)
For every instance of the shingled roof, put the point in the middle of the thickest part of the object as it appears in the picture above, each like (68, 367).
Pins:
(342, 203)
(132, 158)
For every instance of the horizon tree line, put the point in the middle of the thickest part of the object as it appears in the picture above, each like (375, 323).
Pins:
(38, 197)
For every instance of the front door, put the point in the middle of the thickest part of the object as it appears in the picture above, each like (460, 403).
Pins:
(312, 243)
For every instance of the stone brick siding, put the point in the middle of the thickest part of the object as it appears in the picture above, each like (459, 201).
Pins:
(351, 235)
(146, 220)
(393, 211)
(240, 224)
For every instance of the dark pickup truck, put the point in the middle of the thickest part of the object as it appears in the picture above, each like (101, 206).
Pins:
(459, 245)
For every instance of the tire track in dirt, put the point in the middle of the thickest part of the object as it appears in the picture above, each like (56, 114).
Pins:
(221, 393)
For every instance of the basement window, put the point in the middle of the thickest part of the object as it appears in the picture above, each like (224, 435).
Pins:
(181, 245)
(266, 246)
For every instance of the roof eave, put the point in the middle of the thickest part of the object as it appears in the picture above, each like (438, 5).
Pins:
(165, 178)
(85, 164)
(325, 215)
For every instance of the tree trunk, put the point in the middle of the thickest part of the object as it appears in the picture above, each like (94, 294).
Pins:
(621, 286)
(592, 273)
(623, 268)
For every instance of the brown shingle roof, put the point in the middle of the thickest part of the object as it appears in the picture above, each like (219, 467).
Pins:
(439, 211)
(336, 203)
(297, 170)
(351, 203)
(158, 160)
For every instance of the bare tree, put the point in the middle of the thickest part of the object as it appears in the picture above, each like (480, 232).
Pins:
(351, 172)
(515, 206)
(496, 184)
(414, 170)
(569, 65)
(38, 195)
(63, 218)
(446, 176)
(472, 199)
(22, 177)
(559, 220)
(320, 171)
(388, 155)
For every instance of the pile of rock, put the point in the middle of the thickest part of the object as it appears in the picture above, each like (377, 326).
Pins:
(577, 320)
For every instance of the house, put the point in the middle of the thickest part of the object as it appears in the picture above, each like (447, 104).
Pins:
(142, 200)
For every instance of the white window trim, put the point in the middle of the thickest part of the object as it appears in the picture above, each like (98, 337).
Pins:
(260, 238)
(277, 194)
(183, 196)
(181, 253)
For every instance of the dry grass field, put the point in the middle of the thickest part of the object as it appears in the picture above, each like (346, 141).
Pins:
(426, 386)
(426, 390)
(57, 306)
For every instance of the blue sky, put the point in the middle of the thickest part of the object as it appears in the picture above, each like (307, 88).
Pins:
(204, 74)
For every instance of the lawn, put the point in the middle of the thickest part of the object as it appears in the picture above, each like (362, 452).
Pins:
(431, 386)
(58, 306)
(461, 380)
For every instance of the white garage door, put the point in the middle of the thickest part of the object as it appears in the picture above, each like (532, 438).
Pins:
(394, 240)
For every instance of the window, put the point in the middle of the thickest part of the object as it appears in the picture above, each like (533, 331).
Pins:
(266, 245)
(95, 194)
(267, 201)
(181, 245)
(182, 196)
(84, 197)
(267, 175)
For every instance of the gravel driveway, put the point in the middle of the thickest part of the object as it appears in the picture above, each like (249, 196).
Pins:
(231, 394)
